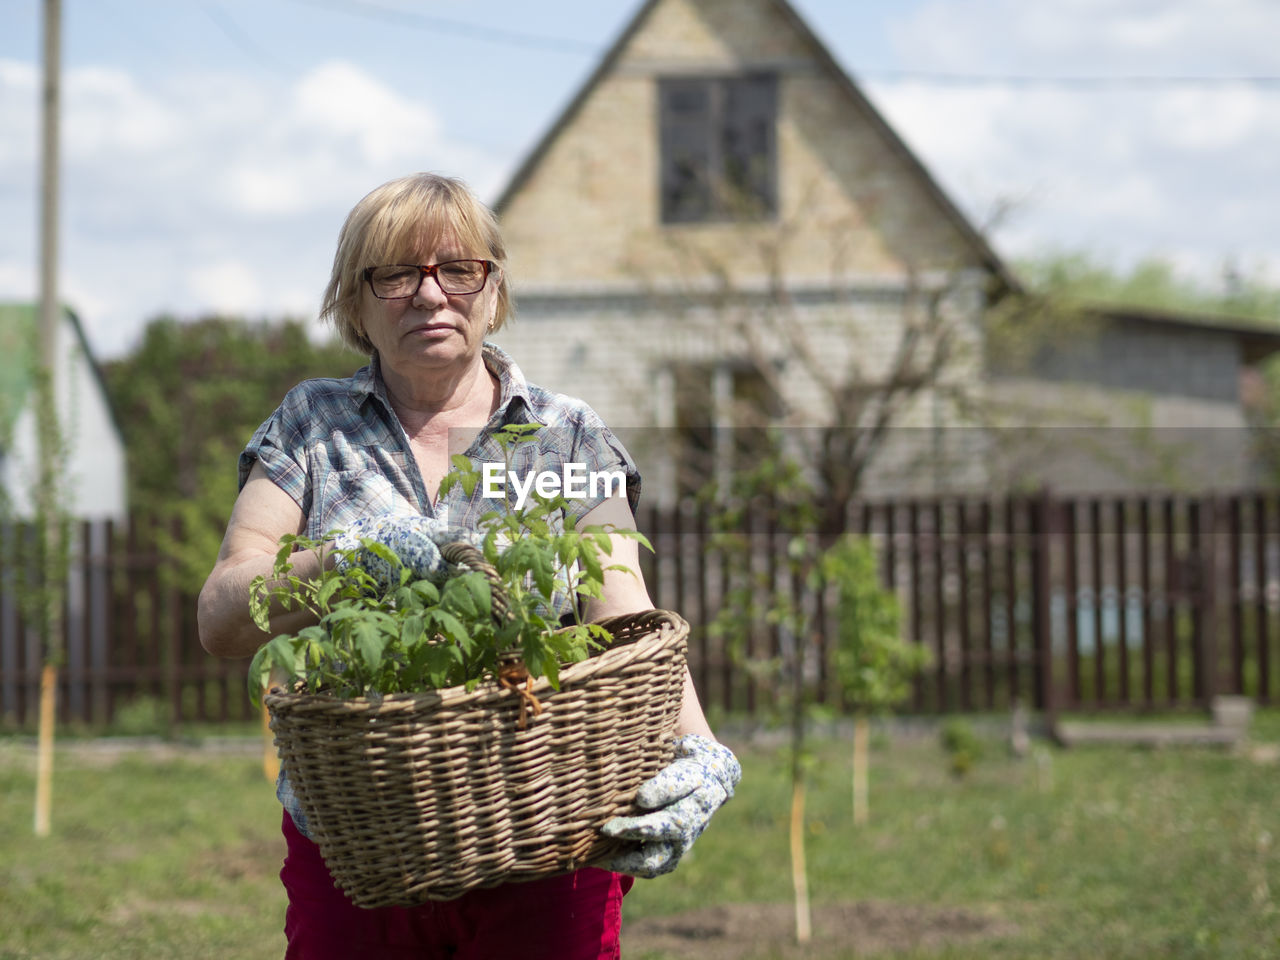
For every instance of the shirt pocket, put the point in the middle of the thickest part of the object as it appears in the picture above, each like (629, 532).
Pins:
(348, 495)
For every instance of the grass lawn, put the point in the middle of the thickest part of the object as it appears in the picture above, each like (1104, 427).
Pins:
(1091, 853)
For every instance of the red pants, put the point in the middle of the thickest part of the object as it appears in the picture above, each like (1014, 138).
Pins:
(577, 916)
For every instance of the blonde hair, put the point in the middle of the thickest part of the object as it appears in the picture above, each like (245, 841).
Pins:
(395, 221)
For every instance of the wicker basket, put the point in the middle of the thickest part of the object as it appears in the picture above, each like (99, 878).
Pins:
(426, 796)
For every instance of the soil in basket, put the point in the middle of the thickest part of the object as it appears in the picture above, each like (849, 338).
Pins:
(741, 931)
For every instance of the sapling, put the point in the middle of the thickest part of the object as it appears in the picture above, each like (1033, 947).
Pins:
(873, 662)
(372, 639)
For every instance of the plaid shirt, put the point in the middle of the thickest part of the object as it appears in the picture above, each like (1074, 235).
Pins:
(338, 449)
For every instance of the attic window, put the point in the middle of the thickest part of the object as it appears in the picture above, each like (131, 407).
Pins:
(719, 148)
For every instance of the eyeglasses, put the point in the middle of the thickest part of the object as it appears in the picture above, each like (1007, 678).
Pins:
(455, 277)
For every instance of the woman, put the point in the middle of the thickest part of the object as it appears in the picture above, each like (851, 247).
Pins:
(417, 282)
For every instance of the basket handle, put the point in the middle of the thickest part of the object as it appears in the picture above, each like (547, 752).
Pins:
(626, 627)
(462, 556)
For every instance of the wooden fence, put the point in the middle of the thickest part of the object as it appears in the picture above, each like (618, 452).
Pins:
(130, 633)
(1063, 603)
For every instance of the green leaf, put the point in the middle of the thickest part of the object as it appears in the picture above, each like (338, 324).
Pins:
(285, 653)
(527, 556)
(551, 670)
(426, 590)
(482, 595)
(344, 612)
(449, 625)
(639, 538)
(326, 591)
(591, 589)
(591, 563)
(370, 641)
(259, 673)
(260, 604)
(413, 630)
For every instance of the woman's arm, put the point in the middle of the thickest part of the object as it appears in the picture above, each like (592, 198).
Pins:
(625, 592)
(263, 513)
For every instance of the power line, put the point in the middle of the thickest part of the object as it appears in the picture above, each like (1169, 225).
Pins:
(533, 41)
(1079, 81)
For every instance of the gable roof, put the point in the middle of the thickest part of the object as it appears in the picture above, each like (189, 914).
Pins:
(20, 355)
(982, 250)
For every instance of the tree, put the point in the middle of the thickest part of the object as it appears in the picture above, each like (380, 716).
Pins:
(35, 553)
(874, 664)
(1152, 283)
(814, 563)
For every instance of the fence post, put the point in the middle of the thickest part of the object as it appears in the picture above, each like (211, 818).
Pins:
(173, 632)
(1206, 540)
(1041, 588)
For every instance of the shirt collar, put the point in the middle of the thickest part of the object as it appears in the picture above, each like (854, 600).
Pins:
(512, 386)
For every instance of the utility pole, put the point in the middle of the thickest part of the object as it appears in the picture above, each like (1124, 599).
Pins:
(48, 435)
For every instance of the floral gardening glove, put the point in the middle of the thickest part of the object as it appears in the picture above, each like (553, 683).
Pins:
(415, 539)
(682, 797)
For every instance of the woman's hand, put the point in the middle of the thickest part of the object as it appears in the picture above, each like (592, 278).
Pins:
(414, 539)
(683, 798)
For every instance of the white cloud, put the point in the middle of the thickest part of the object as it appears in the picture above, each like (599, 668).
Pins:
(215, 192)
(228, 286)
(340, 99)
(19, 278)
(1213, 119)
(1178, 170)
(108, 114)
(1090, 36)
(18, 146)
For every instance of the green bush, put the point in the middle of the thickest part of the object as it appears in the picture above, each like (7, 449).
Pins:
(962, 746)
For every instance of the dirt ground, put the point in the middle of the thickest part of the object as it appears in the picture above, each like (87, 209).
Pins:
(743, 931)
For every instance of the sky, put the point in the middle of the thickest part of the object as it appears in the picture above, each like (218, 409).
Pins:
(211, 148)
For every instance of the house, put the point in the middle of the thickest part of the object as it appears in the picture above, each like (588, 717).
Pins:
(1140, 398)
(94, 468)
(721, 221)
